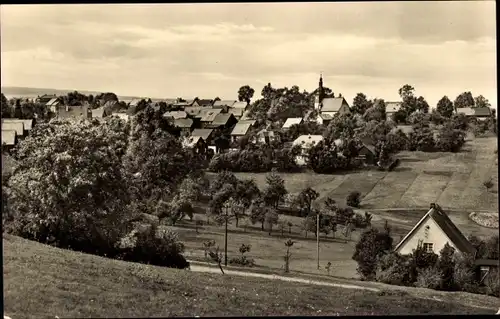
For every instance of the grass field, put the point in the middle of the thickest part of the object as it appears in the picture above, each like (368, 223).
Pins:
(42, 281)
(452, 180)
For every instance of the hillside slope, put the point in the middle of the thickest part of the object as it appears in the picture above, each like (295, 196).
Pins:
(44, 281)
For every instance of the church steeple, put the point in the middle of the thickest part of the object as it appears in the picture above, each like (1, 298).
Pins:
(320, 93)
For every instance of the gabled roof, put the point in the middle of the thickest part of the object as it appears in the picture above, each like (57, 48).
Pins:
(14, 126)
(203, 133)
(183, 123)
(392, 107)
(52, 102)
(236, 112)
(228, 103)
(444, 222)
(193, 110)
(292, 121)
(28, 124)
(468, 111)
(98, 113)
(240, 129)
(8, 137)
(307, 140)
(191, 141)
(251, 122)
(333, 104)
(204, 102)
(221, 119)
(210, 115)
(482, 111)
(240, 105)
(176, 114)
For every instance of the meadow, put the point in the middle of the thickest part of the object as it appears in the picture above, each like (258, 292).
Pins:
(43, 281)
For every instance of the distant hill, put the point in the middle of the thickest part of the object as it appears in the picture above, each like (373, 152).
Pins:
(14, 91)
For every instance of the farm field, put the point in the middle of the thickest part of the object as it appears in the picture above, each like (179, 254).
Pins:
(43, 281)
(454, 181)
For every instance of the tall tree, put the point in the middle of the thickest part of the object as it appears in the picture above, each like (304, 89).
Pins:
(465, 99)
(360, 104)
(305, 200)
(481, 101)
(421, 105)
(6, 109)
(445, 107)
(245, 93)
(275, 190)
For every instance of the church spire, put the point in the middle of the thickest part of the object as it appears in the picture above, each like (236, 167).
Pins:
(321, 93)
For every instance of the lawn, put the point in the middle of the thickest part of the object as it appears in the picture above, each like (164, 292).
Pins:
(42, 281)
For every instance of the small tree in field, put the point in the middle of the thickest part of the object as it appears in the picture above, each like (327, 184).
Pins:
(217, 257)
(207, 246)
(328, 268)
(289, 243)
(353, 199)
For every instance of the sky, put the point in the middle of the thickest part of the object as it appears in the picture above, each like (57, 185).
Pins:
(208, 50)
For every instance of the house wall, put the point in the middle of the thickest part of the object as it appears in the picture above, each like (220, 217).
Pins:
(344, 108)
(434, 235)
(330, 113)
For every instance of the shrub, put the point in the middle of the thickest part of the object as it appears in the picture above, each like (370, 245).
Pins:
(353, 199)
(491, 283)
(393, 269)
(464, 276)
(372, 245)
(429, 278)
(243, 260)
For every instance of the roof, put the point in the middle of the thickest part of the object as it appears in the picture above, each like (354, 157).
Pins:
(292, 121)
(369, 147)
(204, 133)
(482, 111)
(307, 140)
(13, 126)
(240, 129)
(52, 101)
(221, 119)
(28, 124)
(170, 101)
(183, 123)
(8, 137)
(98, 113)
(204, 102)
(182, 104)
(468, 111)
(222, 103)
(210, 115)
(332, 104)
(392, 107)
(191, 141)
(80, 111)
(251, 122)
(176, 114)
(407, 129)
(236, 112)
(193, 110)
(444, 222)
(240, 105)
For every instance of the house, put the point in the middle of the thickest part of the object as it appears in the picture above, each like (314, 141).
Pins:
(433, 231)
(53, 104)
(196, 143)
(205, 134)
(334, 105)
(224, 103)
(305, 142)
(176, 115)
(223, 120)
(123, 116)
(367, 154)
(193, 111)
(321, 118)
(203, 102)
(240, 105)
(18, 127)
(44, 99)
(292, 121)
(264, 136)
(237, 113)
(482, 113)
(208, 116)
(100, 112)
(28, 124)
(239, 130)
(9, 140)
(391, 108)
(185, 125)
(74, 112)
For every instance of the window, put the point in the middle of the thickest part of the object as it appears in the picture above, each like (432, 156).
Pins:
(429, 247)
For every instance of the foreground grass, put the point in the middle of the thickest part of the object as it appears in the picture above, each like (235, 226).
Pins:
(42, 281)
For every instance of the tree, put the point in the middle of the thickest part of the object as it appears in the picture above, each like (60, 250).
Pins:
(445, 107)
(245, 93)
(446, 265)
(353, 199)
(275, 190)
(6, 108)
(258, 212)
(422, 105)
(372, 245)
(289, 243)
(271, 219)
(450, 139)
(305, 200)
(360, 104)
(79, 199)
(481, 101)
(465, 99)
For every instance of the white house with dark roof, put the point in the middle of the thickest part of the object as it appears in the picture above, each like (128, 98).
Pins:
(28, 123)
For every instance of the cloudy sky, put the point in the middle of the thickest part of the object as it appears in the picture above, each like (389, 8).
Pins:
(208, 50)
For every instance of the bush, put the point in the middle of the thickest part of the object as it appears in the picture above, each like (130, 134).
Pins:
(354, 199)
(393, 269)
(242, 261)
(491, 283)
(155, 246)
(429, 278)
(464, 276)
(372, 245)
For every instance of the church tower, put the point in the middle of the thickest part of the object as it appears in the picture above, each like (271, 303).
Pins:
(320, 94)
